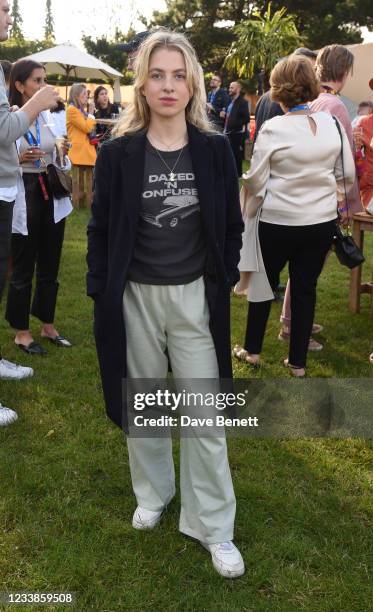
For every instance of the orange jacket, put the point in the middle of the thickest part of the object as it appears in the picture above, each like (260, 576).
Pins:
(82, 153)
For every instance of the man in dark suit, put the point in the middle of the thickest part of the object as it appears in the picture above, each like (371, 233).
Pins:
(217, 100)
(236, 116)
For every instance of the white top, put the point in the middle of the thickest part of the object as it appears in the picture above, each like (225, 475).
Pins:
(8, 194)
(61, 207)
(47, 142)
(295, 174)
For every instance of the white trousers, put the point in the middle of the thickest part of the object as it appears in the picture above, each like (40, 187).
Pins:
(177, 317)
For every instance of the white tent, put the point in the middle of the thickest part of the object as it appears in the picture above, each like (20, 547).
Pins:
(70, 61)
(357, 87)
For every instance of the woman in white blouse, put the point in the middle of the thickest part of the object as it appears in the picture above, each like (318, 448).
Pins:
(289, 201)
(38, 221)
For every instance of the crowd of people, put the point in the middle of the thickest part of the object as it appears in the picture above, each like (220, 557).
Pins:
(168, 237)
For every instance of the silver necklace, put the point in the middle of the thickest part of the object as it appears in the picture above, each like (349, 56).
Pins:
(171, 171)
(170, 146)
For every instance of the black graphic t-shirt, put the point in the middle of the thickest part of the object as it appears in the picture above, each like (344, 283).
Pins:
(170, 247)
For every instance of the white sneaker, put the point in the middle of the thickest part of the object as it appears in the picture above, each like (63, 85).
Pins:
(226, 559)
(7, 416)
(12, 371)
(145, 519)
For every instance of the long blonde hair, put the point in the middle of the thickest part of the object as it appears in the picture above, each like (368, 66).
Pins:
(137, 114)
(75, 91)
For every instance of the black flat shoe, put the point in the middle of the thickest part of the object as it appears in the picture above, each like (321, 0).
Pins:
(59, 341)
(32, 349)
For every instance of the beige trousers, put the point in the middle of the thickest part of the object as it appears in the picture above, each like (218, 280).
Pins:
(177, 317)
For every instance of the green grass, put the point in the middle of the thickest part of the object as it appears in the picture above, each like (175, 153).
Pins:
(303, 506)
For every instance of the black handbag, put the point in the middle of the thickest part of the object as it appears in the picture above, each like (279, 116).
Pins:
(60, 182)
(346, 249)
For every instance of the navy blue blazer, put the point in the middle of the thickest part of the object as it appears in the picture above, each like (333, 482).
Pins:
(116, 208)
(220, 102)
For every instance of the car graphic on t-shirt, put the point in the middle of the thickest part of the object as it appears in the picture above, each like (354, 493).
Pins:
(178, 207)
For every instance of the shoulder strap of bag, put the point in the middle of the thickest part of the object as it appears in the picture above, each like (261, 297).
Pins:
(343, 168)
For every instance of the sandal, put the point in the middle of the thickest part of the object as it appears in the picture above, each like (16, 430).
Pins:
(371, 358)
(59, 341)
(32, 349)
(243, 355)
(296, 371)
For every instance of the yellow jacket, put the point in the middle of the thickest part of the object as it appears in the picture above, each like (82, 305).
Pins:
(82, 153)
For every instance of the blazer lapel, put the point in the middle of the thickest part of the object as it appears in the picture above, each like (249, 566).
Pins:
(202, 160)
(132, 167)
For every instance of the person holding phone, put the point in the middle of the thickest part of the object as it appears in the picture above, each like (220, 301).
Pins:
(38, 222)
(12, 126)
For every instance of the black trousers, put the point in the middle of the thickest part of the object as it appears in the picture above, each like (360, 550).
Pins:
(6, 215)
(304, 248)
(236, 142)
(41, 249)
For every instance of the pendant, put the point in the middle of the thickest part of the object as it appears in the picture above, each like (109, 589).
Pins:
(172, 177)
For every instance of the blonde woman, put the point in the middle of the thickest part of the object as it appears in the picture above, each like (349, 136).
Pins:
(163, 249)
(80, 132)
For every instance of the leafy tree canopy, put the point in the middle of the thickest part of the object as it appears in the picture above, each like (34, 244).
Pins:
(210, 23)
(16, 31)
(261, 41)
(104, 49)
(328, 21)
(49, 22)
(14, 49)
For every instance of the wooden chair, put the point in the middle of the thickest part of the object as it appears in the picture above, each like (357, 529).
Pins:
(82, 186)
(362, 222)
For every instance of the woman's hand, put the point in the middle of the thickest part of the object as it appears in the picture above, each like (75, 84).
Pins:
(358, 137)
(65, 147)
(31, 155)
(343, 219)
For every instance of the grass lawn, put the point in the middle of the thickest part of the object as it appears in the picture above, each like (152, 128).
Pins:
(303, 506)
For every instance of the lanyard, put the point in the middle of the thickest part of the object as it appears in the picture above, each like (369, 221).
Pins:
(298, 107)
(36, 142)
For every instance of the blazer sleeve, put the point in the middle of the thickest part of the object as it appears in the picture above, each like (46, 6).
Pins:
(75, 117)
(98, 227)
(234, 223)
(241, 118)
(220, 103)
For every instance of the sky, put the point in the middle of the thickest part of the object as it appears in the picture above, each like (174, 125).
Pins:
(72, 18)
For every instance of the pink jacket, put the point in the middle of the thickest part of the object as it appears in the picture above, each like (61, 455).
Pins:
(330, 103)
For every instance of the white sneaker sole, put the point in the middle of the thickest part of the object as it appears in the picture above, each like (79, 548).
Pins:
(9, 377)
(234, 572)
(8, 419)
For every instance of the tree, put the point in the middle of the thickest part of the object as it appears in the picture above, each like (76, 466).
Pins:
(13, 49)
(262, 41)
(329, 21)
(49, 23)
(104, 49)
(208, 24)
(16, 32)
